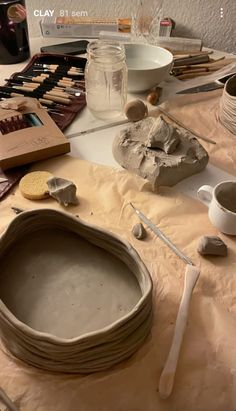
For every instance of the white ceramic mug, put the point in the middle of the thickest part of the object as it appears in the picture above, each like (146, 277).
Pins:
(221, 201)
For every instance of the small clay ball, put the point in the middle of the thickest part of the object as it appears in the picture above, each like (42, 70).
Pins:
(136, 110)
(139, 231)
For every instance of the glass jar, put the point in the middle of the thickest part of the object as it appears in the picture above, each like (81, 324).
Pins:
(146, 17)
(106, 79)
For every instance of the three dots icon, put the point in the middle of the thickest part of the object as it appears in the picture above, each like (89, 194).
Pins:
(221, 12)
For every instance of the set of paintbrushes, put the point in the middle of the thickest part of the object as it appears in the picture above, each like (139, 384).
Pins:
(191, 65)
(56, 81)
(47, 91)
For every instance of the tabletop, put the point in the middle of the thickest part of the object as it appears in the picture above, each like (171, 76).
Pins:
(97, 146)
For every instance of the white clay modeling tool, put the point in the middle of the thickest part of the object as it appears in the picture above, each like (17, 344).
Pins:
(191, 275)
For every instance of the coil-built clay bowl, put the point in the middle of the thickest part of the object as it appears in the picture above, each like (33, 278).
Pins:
(73, 297)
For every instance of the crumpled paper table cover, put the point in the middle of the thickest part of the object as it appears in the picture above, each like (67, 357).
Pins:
(206, 373)
(200, 112)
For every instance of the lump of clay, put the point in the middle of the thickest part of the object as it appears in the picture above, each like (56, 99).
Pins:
(64, 191)
(19, 103)
(163, 135)
(131, 152)
(212, 245)
(136, 110)
(139, 231)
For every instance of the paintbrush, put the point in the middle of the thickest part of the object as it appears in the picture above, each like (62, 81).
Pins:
(191, 275)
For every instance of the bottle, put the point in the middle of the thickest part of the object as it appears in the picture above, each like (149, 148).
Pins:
(106, 79)
(14, 43)
(146, 18)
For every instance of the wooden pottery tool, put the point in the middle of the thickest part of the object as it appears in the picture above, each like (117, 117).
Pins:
(54, 67)
(70, 72)
(4, 91)
(64, 87)
(168, 374)
(40, 79)
(191, 275)
(35, 86)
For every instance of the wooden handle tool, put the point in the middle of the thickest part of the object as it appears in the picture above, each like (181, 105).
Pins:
(168, 374)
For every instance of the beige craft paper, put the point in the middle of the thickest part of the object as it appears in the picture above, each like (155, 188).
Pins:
(200, 112)
(206, 374)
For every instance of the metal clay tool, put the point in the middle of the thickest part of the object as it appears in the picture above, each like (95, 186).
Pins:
(162, 236)
(191, 275)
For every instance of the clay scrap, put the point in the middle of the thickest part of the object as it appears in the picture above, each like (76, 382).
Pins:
(212, 245)
(163, 135)
(159, 152)
(64, 191)
(139, 231)
(18, 103)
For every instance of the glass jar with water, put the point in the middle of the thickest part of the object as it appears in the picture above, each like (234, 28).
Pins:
(106, 79)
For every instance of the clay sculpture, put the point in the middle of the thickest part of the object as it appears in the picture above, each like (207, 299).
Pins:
(74, 298)
(133, 149)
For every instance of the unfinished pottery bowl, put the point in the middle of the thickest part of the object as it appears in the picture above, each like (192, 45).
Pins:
(73, 297)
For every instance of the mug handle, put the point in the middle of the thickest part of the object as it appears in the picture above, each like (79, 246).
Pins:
(205, 194)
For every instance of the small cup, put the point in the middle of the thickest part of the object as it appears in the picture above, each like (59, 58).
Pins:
(221, 201)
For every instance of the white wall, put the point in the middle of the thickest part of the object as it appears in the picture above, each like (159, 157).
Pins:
(194, 18)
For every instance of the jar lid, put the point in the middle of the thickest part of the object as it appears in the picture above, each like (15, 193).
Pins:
(106, 49)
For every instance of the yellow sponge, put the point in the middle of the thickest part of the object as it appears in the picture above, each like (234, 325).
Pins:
(34, 185)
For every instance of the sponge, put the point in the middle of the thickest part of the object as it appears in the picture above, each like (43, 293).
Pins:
(34, 185)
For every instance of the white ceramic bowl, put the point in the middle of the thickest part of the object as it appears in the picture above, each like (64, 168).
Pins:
(147, 66)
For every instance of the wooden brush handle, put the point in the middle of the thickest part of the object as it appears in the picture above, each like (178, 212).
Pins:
(192, 75)
(168, 374)
(46, 102)
(56, 99)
